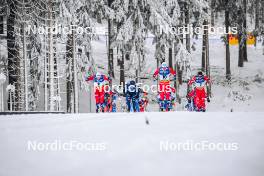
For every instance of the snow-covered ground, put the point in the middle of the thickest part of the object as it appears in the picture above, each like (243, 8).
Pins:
(133, 148)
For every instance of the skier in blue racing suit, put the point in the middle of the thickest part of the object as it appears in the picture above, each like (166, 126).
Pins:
(132, 93)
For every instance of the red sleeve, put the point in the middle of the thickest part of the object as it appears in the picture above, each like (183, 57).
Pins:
(90, 78)
(191, 94)
(207, 79)
(191, 81)
(172, 72)
(156, 73)
(173, 90)
(106, 78)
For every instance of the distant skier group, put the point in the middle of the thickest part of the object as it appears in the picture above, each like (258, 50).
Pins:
(137, 99)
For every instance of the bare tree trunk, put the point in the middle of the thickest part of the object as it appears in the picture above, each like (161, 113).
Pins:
(257, 11)
(207, 66)
(157, 48)
(25, 61)
(177, 82)
(45, 77)
(46, 56)
(170, 58)
(240, 40)
(262, 23)
(245, 29)
(204, 49)
(227, 24)
(12, 54)
(75, 78)
(181, 24)
(18, 85)
(157, 61)
(205, 53)
(176, 66)
(51, 60)
(69, 82)
(262, 12)
(1, 24)
(110, 50)
(240, 51)
(138, 68)
(212, 12)
(187, 21)
(57, 79)
(122, 67)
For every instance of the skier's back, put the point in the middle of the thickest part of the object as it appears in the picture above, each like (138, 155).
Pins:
(132, 93)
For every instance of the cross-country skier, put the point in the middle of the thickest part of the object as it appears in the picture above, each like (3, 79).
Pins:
(132, 93)
(114, 101)
(190, 98)
(110, 100)
(168, 102)
(143, 102)
(172, 99)
(99, 89)
(198, 94)
(164, 74)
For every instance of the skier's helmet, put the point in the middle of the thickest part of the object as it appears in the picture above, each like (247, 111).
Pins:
(132, 82)
(98, 75)
(200, 73)
(164, 65)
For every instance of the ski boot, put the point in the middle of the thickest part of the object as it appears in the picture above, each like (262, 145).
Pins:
(98, 107)
(169, 105)
(162, 105)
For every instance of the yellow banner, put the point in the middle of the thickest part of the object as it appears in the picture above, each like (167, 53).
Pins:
(233, 39)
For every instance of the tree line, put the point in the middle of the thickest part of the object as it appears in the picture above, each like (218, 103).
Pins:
(48, 66)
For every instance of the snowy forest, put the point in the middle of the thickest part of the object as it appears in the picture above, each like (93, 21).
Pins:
(131, 87)
(43, 68)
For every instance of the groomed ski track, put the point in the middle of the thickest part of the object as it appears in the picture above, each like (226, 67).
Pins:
(133, 147)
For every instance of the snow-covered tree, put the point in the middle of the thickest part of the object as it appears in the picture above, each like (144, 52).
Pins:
(78, 49)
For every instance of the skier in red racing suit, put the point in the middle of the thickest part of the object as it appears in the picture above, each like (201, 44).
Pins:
(198, 94)
(99, 90)
(163, 73)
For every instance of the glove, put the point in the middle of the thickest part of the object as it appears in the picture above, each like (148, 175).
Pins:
(208, 99)
(109, 80)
